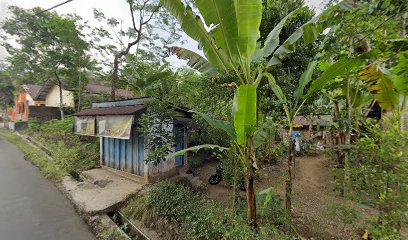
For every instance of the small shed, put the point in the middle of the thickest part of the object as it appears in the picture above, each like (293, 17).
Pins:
(122, 144)
(312, 128)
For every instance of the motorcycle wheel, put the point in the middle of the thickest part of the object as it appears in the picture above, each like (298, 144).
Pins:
(214, 179)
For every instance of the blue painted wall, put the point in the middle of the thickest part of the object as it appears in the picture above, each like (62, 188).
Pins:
(124, 155)
(179, 141)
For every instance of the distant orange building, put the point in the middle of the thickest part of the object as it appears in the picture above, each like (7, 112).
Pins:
(42, 101)
(26, 98)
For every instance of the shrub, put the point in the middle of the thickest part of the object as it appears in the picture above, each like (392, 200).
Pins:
(347, 215)
(170, 200)
(71, 152)
(274, 211)
(231, 166)
(378, 174)
(201, 218)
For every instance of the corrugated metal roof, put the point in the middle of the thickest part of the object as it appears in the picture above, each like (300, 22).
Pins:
(127, 110)
(99, 89)
(321, 120)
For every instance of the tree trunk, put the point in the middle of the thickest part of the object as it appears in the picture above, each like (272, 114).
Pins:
(288, 193)
(347, 141)
(250, 190)
(235, 185)
(79, 92)
(61, 102)
(4, 105)
(403, 112)
(115, 77)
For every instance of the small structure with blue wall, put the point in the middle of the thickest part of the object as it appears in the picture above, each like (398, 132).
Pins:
(123, 145)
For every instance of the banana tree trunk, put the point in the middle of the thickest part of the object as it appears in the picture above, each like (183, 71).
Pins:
(288, 193)
(235, 185)
(403, 112)
(347, 141)
(250, 190)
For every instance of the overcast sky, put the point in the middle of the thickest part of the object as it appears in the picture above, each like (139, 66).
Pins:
(84, 8)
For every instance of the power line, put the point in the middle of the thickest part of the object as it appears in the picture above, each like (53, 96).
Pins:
(51, 8)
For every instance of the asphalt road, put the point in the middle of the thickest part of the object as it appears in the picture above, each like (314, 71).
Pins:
(31, 207)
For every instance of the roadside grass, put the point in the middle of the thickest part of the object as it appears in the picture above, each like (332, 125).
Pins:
(172, 209)
(49, 168)
(72, 152)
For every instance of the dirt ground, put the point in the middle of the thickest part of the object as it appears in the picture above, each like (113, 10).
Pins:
(312, 197)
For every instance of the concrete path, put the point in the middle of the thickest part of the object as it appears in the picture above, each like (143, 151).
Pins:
(101, 191)
(31, 207)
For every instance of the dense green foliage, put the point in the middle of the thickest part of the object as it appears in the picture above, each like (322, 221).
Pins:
(199, 217)
(262, 65)
(49, 46)
(70, 152)
(157, 126)
(379, 175)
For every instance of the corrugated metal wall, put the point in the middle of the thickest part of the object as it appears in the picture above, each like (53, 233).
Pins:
(179, 134)
(125, 155)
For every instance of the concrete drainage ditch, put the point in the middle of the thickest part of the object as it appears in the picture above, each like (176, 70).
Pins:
(132, 228)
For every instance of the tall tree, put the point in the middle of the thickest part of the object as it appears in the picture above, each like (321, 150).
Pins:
(6, 91)
(288, 73)
(374, 29)
(48, 46)
(146, 33)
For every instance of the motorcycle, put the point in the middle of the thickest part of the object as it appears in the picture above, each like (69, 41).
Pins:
(217, 177)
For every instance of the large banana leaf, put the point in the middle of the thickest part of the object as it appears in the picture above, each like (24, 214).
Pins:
(249, 16)
(272, 40)
(219, 124)
(194, 27)
(341, 67)
(309, 32)
(275, 87)
(235, 25)
(278, 93)
(400, 74)
(305, 78)
(194, 60)
(245, 115)
(380, 85)
(195, 149)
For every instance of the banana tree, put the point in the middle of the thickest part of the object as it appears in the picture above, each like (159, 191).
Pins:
(293, 104)
(389, 88)
(227, 32)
